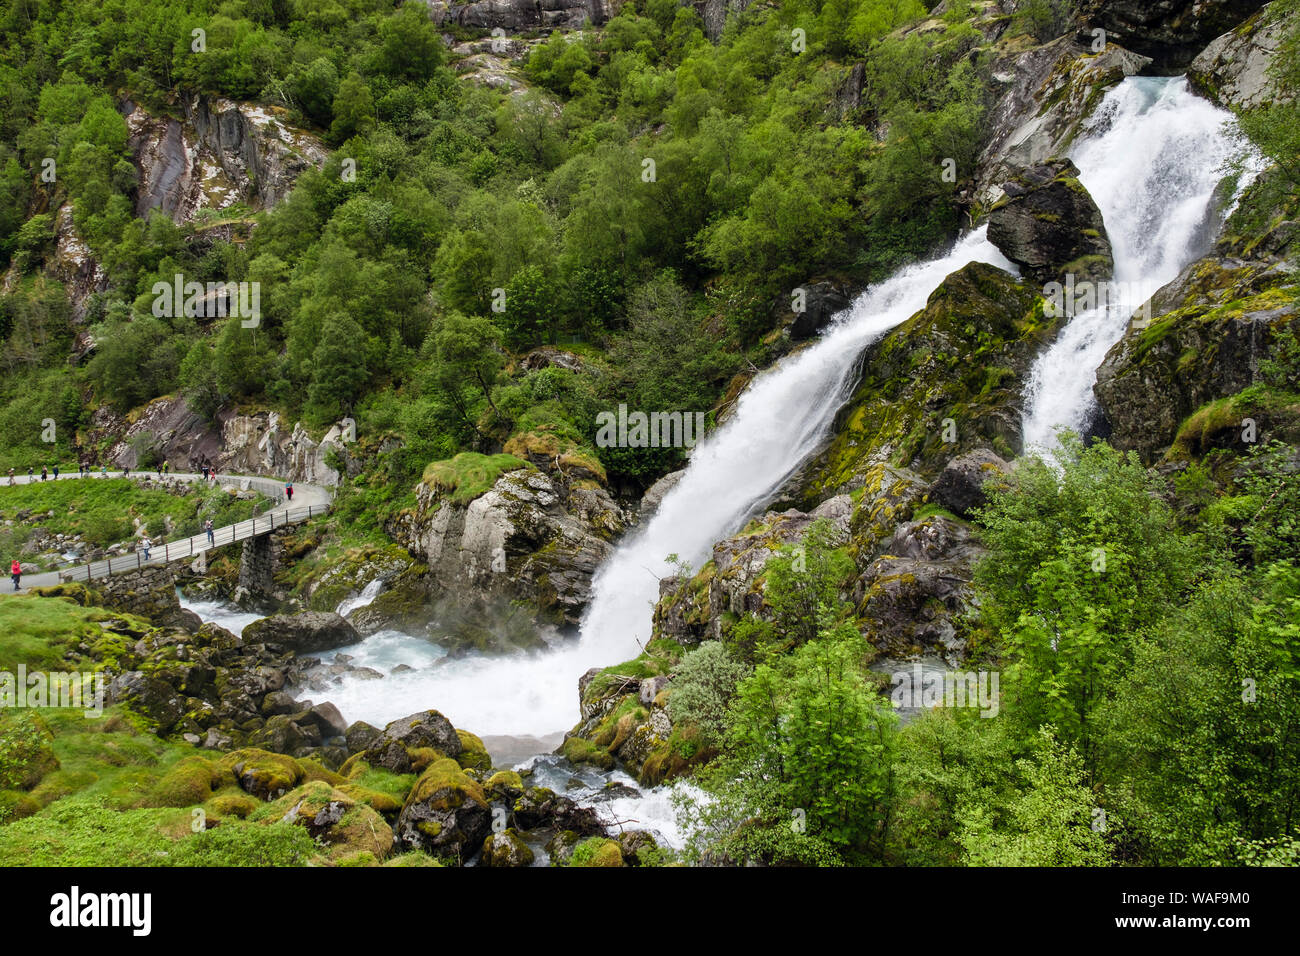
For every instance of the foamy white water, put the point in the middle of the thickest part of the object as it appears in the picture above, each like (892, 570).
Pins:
(1152, 157)
(357, 601)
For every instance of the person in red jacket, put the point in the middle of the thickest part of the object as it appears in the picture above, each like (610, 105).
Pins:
(16, 572)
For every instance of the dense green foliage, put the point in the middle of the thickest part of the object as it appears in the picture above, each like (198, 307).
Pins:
(1150, 691)
(651, 195)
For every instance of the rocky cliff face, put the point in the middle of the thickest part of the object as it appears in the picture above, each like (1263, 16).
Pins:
(1233, 69)
(1172, 32)
(220, 152)
(519, 15)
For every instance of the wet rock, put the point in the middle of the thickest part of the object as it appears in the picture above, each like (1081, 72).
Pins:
(540, 807)
(303, 632)
(1049, 225)
(506, 849)
(1172, 32)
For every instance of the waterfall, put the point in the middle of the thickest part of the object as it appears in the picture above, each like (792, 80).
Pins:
(1152, 156)
(784, 415)
(1151, 159)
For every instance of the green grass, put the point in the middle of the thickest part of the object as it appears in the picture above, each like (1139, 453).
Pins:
(102, 511)
(36, 631)
(469, 474)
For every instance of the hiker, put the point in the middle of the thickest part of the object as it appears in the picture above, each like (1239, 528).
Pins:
(16, 572)
(126, 471)
(45, 473)
(205, 472)
(145, 545)
(207, 526)
(167, 467)
(103, 471)
(288, 491)
(11, 476)
(56, 472)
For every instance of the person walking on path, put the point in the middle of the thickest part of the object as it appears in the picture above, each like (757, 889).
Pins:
(56, 472)
(11, 476)
(145, 545)
(103, 471)
(288, 491)
(45, 473)
(16, 572)
(207, 526)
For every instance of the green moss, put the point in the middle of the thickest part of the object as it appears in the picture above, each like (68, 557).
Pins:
(579, 750)
(469, 474)
(474, 756)
(445, 786)
(596, 851)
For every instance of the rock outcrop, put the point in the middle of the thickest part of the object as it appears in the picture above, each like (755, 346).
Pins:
(1233, 70)
(516, 16)
(304, 632)
(1172, 32)
(1049, 225)
(219, 153)
(948, 380)
(531, 536)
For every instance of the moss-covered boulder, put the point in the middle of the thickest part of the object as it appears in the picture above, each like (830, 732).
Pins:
(947, 381)
(265, 775)
(506, 848)
(597, 851)
(1049, 225)
(414, 740)
(334, 819)
(190, 782)
(445, 812)
(473, 754)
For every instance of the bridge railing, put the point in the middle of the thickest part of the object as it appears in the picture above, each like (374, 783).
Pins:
(178, 551)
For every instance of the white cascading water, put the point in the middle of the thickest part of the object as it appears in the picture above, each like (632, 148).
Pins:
(1152, 156)
(1151, 160)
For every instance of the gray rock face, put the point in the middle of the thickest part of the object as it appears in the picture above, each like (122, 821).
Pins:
(530, 537)
(1047, 93)
(517, 15)
(1233, 69)
(220, 153)
(916, 593)
(1050, 226)
(304, 632)
(1170, 31)
(960, 486)
(262, 444)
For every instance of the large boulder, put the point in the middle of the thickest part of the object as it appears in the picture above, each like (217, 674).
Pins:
(531, 536)
(446, 812)
(960, 486)
(304, 632)
(1050, 226)
(393, 749)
